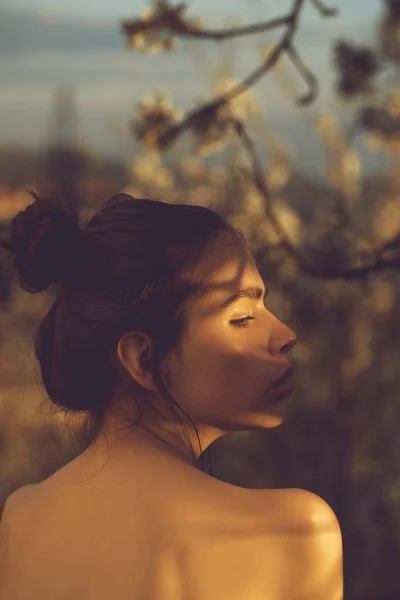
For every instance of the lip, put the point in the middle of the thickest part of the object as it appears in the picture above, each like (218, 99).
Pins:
(284, 380)
(279, 392)
(283, 389)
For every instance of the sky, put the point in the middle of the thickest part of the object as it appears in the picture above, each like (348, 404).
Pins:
(128, 7)
(45, 44)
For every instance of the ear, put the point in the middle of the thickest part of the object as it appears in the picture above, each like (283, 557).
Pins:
(135, 353)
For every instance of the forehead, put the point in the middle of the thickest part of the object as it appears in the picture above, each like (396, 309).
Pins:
(226, 267)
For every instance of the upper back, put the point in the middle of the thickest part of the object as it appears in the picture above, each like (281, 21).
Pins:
(139, 535)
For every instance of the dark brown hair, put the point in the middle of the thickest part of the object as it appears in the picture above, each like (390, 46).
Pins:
(132, 267)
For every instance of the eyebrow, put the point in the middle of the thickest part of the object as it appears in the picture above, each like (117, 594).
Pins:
(252, 292)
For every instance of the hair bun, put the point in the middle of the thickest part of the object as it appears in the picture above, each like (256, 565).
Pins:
(45, 240)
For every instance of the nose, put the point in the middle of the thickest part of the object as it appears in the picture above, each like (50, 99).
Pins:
(283, 341)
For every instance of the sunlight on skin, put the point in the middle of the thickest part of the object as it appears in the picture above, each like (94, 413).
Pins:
(221, 368)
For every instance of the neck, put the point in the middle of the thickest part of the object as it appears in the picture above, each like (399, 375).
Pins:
(157, 424)
(170, 439)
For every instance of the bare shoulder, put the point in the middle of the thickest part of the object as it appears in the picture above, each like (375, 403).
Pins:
(286, 542)
(307, 507)
(13, 522)
(312, 545)
(14, 516)
(15, 502)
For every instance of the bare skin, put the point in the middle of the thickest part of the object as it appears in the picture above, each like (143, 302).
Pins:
(219, 372)
(133, 518)
(144, 526)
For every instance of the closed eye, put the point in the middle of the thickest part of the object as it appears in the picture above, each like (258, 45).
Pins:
(241, 322)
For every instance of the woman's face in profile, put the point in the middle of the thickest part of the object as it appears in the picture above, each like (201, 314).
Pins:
(230, 352)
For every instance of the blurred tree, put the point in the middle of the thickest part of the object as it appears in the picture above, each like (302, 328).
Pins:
(64, 163)
(367, 77)
(214, 124)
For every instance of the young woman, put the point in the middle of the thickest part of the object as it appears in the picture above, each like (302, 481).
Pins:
(161, 335)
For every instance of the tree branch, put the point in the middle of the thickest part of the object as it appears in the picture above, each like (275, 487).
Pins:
(172, 20)
(259, 177)
(132, 27)
(324, 10)
(307, 74)
(356, 272)
(211, 107)
(381, 260)
(305, 265)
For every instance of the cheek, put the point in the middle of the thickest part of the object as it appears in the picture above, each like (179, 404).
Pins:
(213, 371)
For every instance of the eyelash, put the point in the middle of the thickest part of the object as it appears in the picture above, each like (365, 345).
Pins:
(241, 322)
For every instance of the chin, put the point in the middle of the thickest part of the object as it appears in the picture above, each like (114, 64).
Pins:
(275, 421)
(269, 421)
(272, 416)
(264, 420)
(268, 418)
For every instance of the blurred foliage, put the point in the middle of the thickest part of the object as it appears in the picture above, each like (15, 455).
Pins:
(356, 66)
(369, 75)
